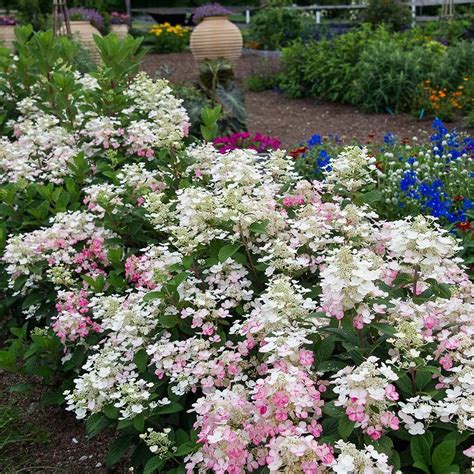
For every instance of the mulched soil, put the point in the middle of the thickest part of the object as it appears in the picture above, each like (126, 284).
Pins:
(55, 442)
(59, 443)
(294, 120)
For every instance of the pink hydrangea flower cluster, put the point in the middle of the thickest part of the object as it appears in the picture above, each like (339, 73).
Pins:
(73, 320)
(366, 393)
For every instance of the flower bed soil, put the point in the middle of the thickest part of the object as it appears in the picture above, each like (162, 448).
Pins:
(55, 442)
(294, 120)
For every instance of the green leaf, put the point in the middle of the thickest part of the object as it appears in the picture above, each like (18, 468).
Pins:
(227, 251)
(443, 456)
(372, 197)
(139, 422)
(324, 350)
(345, 427)
(184, 449)
(332, 411)
(422, 378)
(181, 437)
(422, 466)
(155, 463)
(153, 295)
(111, 412)
(258, 227)
(96, 423)
(331, 366)
(420, 450)
(118, 449)
(384, 328)
(172, 407)
(21, 388)
(141, 360)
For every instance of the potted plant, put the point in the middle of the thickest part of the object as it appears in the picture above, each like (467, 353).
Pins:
(85, 23)
(119, 24)
(215, 36)
(7, 31)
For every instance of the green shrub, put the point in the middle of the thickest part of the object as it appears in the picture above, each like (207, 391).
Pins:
(166, 38)
(455, 64)
(273, 28)
(389, 77)
(327, 68)
(470, 119)
(388, 12)
(378, 70)
(261, 82)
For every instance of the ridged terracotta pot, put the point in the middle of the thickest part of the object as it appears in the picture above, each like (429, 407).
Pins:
(216, 37)
(7, 36)
(84, 32)
(120, 30)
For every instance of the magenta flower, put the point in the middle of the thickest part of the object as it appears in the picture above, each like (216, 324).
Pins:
(244, 140)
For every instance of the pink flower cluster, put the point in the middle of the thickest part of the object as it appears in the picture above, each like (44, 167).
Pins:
(242, 430)
(244, 140)
(366, 394)
(73, 320)
(91, 258)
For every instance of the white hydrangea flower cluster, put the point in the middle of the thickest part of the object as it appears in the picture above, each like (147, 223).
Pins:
(110, 374)
(351, 169)
(41, 151)
(353, 461)
(158, 442)
(56, 246)
(43, 148)
(165, 122)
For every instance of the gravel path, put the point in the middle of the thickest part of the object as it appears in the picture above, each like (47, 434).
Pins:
(294, 120)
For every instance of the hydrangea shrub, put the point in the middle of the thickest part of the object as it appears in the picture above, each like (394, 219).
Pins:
(219, 311)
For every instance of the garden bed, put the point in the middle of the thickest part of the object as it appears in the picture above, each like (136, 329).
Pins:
(294, 120)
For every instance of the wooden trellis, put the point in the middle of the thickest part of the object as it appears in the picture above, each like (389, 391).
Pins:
(447, 9)
(61, 23)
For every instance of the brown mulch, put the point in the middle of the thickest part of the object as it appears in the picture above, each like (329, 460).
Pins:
(55, 442)
(294, 120)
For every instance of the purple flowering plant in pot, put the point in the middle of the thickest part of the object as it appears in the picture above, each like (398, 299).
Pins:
(208, 10)
(117, 18)
(7, 21)
(87, 14)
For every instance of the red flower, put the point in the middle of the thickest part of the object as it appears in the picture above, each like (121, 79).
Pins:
(458, 198)
(298, 151)
(464, 226)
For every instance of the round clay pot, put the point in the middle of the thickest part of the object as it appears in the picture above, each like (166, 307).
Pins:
(120, 30)
(7, 36)
(216, 37)
(84, 32)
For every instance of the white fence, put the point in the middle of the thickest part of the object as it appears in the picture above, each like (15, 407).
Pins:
(413, 4)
